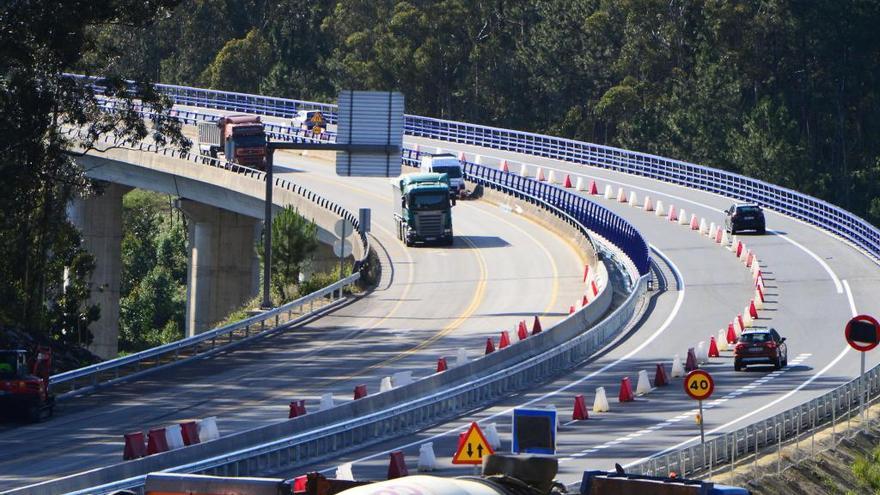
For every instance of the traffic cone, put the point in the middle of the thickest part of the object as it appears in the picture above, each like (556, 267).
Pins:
(633, 199)
(441, 365)
(360, 391)
(694, 224)
(571, 310)
(721, 341)
(713, 348)
(551, 177)
(427, 459)
(135, 448)
(648, 206)
(718, 235)
(595, 288)
(756, 265)
(567, 183)
(739, 249)
(660, 378)
(585, 301)
(580, 409)
(704, 228)
(600, 403)
(644, 385)
(522, 333)
(539, 175)
(503, 166)
(701, 352)
(490, 346)
(326, 401)
(725, 239)
(594, 189)
(760, 293)
(536, 326)
(682, 217)
(672, 217)
(461, 356)
(691, 362)
(658, 210)
(731, 334)
(749, 258)
(712, 229)
(626, 391)
(490, 431)
(759, 281)
(385, 384)
(677, 368)
(747, 318)
(504, 341)
(740, 325)
(397, 466)
(609, 191)
(753, 311)
(524, 170)
(621, 195)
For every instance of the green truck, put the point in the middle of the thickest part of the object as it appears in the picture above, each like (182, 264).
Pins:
(423, 208)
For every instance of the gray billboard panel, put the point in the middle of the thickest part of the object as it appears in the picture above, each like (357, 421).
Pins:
(370, 118)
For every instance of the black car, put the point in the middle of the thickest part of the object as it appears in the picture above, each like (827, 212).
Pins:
(744, 217)
(763, 346)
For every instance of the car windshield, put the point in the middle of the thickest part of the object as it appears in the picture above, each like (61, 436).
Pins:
(755, 338)
(8, 364)
(454, 172)
(748, 210)
(430, 201)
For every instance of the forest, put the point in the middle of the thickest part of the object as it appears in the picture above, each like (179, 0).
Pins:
(781, 90)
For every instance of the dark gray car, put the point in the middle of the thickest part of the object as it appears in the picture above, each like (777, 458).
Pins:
(744, 217)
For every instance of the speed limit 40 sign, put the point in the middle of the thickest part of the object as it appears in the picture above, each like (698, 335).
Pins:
(699, 385)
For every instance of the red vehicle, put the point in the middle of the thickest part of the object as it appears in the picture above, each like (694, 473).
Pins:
(24, 384)
(763, 346)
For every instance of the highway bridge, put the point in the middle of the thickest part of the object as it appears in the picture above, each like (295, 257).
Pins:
(819, 266)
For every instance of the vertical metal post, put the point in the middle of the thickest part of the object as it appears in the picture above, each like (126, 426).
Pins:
(702, 420)
(862, 389)
(267, 230)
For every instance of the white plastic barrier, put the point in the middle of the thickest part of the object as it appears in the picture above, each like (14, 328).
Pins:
(208, 429)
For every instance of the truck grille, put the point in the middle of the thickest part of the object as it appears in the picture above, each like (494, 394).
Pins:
(429, 224)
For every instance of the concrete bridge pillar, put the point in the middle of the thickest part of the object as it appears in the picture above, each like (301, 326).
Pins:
(99, 220)
(224, 269)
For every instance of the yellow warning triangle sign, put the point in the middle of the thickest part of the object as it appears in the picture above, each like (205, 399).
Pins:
(472, 447)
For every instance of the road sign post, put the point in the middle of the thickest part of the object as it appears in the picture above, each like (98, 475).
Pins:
(862, 333)
(699, 386)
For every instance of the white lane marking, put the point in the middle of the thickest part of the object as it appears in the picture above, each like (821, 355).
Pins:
(666, 323)
(849, 296)
(837, 285)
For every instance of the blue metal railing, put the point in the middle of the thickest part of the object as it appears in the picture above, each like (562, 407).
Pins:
(817, 212)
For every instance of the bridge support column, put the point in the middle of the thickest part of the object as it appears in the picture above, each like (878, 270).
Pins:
(223, 269)
(99, 220)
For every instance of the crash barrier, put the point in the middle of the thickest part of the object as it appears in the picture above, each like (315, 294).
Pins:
(171, 437)
(88, 379)
(819, 213)
(356, 424)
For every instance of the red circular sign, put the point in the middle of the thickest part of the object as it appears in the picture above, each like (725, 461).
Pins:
(699, 384)
(862, 333)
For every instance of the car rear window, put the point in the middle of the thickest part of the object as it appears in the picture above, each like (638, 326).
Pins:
(746, 210)
(755, 337)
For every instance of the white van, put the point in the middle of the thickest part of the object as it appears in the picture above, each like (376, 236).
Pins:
(446, 164)
(308, 119)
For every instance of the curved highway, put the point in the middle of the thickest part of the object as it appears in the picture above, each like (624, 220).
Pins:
(814, 282)
(430, 302)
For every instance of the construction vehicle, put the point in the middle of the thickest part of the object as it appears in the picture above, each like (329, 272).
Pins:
(24, 384)
(241, 138)
(502, 475)
(423, 208)
(449, 165)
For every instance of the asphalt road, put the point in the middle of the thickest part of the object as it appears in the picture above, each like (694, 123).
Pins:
(815, 283)
(430, 302)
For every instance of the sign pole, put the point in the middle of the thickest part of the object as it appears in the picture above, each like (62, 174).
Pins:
(702, 420)
(267, 230)
(862, 387)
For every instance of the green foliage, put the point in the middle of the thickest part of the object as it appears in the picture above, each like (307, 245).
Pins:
(867, 471)
(153, 292)
(294, 239)
(240, 65)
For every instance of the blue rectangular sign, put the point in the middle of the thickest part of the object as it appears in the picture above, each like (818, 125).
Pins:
(534, 431)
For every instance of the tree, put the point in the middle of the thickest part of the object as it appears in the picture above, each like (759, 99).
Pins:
(240, 65)
(40, 40)
(294, 239)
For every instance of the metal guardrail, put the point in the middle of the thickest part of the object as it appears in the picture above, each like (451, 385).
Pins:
(69, 384)
(750, 440)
